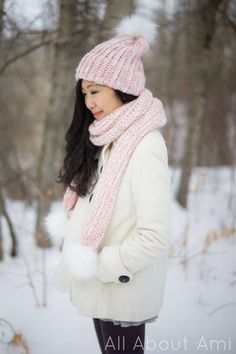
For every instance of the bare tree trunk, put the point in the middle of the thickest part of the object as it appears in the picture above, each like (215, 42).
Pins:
(1, 27)
(217, 149)
(167, 77)
(1, 18)
(76, 32)
(197, 114)
(114, 10)
(203, 30)
(55, 122)
(4, 213)
(1, 243)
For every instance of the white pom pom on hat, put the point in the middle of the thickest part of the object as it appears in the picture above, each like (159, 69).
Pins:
(117, 62)
(136, 26)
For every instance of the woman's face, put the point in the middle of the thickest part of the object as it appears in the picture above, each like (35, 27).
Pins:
(100, 99)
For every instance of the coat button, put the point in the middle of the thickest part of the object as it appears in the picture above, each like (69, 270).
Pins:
(101, 168)
(90, 198)
(124, 279)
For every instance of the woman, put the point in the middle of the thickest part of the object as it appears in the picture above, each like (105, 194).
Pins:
(115, 253)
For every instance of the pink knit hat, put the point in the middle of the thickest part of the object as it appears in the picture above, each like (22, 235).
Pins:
(117, 62)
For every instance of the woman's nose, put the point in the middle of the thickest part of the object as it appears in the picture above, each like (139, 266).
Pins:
(90, 103)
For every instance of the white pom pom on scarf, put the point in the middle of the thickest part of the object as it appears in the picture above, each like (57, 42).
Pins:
(56, 222)
(82, 261)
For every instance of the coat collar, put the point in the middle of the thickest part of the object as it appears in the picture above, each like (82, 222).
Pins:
(105, 151)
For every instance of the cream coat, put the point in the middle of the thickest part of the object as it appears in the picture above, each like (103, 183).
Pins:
(136, 242)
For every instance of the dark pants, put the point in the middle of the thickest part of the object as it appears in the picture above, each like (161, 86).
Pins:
(116, 339)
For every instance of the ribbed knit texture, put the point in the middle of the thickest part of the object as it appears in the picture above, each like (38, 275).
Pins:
(116, 63)
(125, 126)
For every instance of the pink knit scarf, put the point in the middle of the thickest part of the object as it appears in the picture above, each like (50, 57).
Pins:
(125, 126)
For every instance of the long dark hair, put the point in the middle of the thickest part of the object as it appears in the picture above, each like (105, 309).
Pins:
(80, 162)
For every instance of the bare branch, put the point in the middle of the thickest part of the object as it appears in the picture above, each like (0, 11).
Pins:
(228, 19)
(30, 282)
(23, 54)
(221, 307)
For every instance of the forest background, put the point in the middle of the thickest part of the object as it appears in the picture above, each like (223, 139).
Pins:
(191, 68)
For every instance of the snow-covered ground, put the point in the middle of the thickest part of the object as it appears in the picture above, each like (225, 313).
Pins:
(199, 312)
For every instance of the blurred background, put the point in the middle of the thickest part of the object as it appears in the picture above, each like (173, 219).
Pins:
(191, 68)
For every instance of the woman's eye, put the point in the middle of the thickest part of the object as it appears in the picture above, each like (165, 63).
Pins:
(92, 93)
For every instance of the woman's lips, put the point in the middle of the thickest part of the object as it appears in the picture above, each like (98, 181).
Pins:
(96, 115)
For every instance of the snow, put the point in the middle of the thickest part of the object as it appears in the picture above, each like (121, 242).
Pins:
(199, 306)
(30, 15)
(44, 14)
